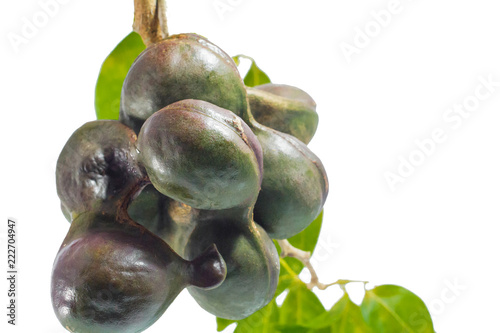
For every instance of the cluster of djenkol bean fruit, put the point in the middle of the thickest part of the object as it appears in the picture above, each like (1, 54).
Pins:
(186, 190)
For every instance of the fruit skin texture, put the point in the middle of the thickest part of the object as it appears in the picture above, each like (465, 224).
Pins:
(252, 264)
(295, 185)
(185, 66)
(112, 275)
(250, 255)
(97, 165)
(284, 108)
(201, 155)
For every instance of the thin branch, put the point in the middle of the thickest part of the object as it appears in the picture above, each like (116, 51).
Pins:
(288, 250)
(150, 20)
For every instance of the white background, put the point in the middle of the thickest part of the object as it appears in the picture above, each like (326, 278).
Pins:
(438, 228)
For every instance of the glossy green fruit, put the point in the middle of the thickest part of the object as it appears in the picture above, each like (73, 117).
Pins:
(112, 275)
(295, 185)
(185, 66)
(97, 165)
(250, 255)
(252, 264)
(201, 155)
(284, 108)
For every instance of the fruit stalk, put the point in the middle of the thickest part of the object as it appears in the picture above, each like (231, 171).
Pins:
(150, 20)
(288, 250)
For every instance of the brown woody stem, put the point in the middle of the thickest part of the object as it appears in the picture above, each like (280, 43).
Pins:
(150, 20)
(162, 15)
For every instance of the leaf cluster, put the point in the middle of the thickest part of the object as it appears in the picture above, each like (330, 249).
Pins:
(386, 308)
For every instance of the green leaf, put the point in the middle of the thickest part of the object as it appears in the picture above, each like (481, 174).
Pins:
(255, 75)
(308, 238)
(286, 277)
(113, 71)
(345, 316)
(222, 323)
(293, 329)
(394, 309)
(300, 307)
(262, 321)
(322, 330)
